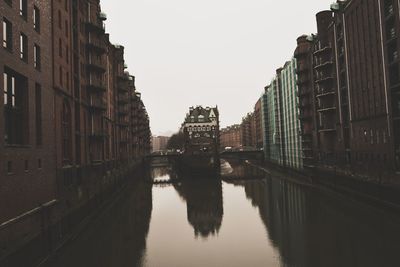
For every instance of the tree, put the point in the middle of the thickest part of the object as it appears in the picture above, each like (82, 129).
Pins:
(176, 141)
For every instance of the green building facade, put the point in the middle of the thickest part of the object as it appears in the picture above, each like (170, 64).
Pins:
(290, 113)
(271, 118)
(280, 119)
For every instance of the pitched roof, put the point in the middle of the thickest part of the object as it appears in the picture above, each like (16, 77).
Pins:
(200, 114)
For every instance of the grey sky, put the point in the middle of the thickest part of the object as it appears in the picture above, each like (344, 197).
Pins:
(209, 52)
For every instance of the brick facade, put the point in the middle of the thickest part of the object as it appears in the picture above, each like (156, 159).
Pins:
(230, 137)
(71, 118)
(27, 145)
(349, 83)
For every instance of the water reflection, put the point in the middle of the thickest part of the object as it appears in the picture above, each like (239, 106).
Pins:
(311, 228)
(117, 237)
(204, 204)
(249, 219)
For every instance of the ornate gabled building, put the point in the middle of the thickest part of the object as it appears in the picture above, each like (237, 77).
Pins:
(201, 129)
(201, 141)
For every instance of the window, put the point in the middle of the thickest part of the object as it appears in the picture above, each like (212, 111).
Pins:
(39, 163)
(23, 8)
(60, 47)
(67, 54)
(59, 19)
(15, 108)
(66, 132)
(36, 19)
(66, 28)
(9, 2)
(26, 164)
(7, 34)
(9, 167)
(38, 114)
(372, 136)
(23, 47)
(67, 80)
(61, 76)
(36, 56)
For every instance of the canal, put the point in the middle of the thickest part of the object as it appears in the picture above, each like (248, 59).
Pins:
(250, 218)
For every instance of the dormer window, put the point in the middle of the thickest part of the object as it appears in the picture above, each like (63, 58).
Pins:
(201, 118)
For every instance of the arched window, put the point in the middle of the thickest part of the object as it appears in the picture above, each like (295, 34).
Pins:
(66, 132)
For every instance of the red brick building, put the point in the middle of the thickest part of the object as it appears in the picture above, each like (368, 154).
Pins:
(248, 134)
(70, 115)
(258, 133)
(348, 88)
(246, 128)
(230, 137)
(27, 145)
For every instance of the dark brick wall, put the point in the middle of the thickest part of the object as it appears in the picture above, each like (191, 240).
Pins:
(23, 190)
(364, 88)
(371, 138)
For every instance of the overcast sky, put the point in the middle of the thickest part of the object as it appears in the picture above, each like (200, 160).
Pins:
(208, 52)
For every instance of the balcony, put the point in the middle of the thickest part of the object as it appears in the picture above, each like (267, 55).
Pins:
(102, 16)
(97, 46)
(322, 50)
(391, 34)
(123, 124)
(326, 109)
(96, 65)
(123, 77)
(96, 85)
(389, 10)
(326, 79)
(98, 134)
(306, 142)
(123, 100)
(326, 92)
(327, 130)
(96, 27)
(122, 111)
(393, 57)
(325, 64)
(307, 157)
(123, 88)
(97, 105)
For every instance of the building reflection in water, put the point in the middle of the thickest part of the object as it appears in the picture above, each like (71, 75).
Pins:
(204, 204)
(159, 172)
(117, 237)
(313, 228)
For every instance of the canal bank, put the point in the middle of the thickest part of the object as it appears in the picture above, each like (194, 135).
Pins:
(36, 236)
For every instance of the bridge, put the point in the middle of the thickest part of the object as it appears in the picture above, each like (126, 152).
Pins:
(164, 158)
(243, 154)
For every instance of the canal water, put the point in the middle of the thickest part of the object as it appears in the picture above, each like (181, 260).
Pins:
(250, 218)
